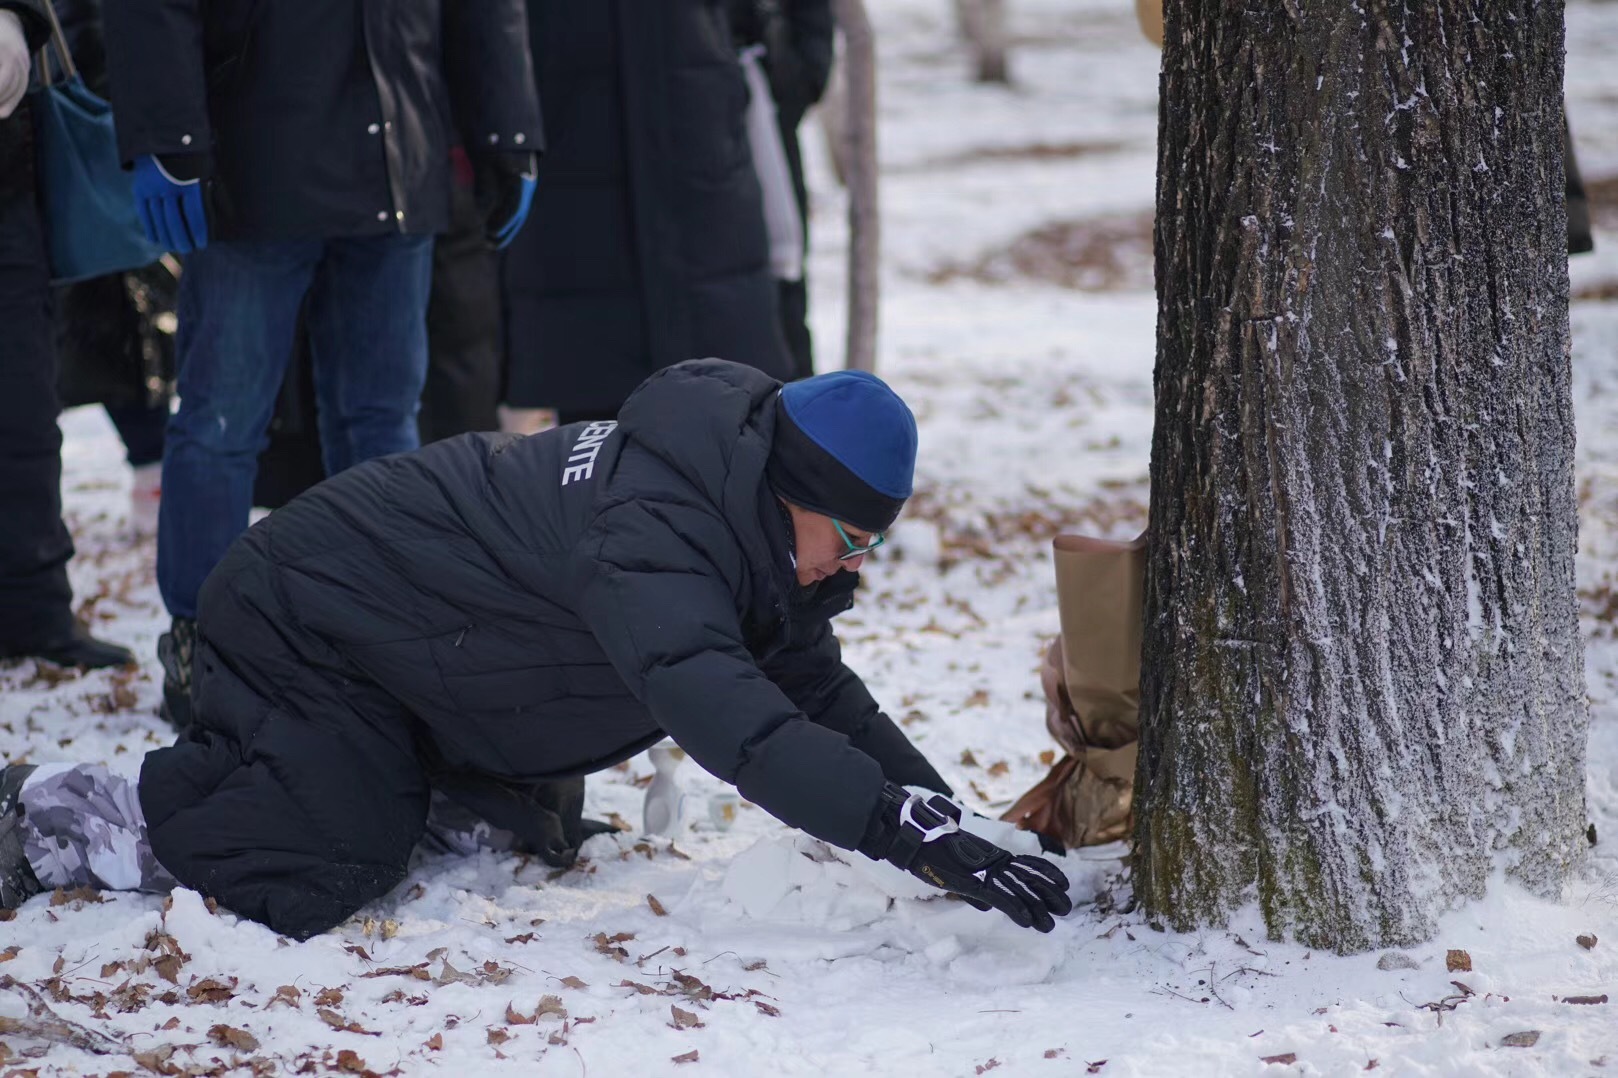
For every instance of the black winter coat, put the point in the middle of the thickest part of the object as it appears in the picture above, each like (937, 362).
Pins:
(322, 119)
(490, 611)
(647, 244)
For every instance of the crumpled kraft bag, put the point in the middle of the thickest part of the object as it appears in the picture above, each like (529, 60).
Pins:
(1091, 680)
(1150, 14)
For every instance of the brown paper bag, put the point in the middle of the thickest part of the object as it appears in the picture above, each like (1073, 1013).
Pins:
(1150, 14)
(1091, 680)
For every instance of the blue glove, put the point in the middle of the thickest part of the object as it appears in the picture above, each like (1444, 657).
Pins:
(505, 185)
(170, 206)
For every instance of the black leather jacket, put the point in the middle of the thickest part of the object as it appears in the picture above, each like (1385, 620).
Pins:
(322, 119)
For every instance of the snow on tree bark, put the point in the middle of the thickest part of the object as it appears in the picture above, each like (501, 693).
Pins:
(1363, 683)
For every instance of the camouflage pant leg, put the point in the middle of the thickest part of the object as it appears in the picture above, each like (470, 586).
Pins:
(82, 825)
(454, 828)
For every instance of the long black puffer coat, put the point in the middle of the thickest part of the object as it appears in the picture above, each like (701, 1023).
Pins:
(647, 244)
(492, 611)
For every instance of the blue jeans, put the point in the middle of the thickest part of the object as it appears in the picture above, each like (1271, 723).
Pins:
(238, 310)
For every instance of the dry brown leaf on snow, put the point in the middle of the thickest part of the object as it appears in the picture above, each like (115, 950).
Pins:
(967, 759)
(657, 907)
(998, 768)
(1587, 942)
(608, 945)
(231, 1037)
(157, 1060)
(398, 996)
(643, 989)
(349, 1060)
(1458, 961)
(211, 990)
(495, 973)
(685, 1019)
(1284, 1057)
(1046, 759)
(686, 1057)
(61, 897)
(498, 1036)
(450, 975)
(691, 986)
(111, 968)
(526, 937)
(1585, 1000)
(341, 1024)
(516, 1018)
(172, 1023)
(980, 698)
(765, 1008)
(984, 1068)
(10, 952)
(329, 997)
(550, 1007)
(418, 971)
(435, 1042)
(1526, 1039)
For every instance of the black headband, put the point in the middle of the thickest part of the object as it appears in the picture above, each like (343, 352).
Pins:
(808, 476)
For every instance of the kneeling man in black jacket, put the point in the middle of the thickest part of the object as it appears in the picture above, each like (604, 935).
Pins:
(494, 617)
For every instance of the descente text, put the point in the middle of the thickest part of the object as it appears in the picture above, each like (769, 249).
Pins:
(581, 463)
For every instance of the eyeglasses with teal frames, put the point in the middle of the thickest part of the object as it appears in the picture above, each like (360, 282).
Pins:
(877, 539)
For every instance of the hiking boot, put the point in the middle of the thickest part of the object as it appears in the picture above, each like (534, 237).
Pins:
(17, 880)
(175, 650)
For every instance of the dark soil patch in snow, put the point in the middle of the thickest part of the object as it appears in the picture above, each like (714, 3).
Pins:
(1036, 152)
(1599, 292)
(1104, 254)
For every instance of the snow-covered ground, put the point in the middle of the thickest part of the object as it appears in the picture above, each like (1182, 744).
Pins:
(760, 954)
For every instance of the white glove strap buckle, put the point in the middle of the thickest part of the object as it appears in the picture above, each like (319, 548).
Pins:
(927, 821)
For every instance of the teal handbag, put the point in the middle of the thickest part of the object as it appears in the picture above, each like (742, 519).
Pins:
(88, 200)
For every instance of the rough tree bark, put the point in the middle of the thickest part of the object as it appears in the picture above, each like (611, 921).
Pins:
(1363, 683)
(859, 157)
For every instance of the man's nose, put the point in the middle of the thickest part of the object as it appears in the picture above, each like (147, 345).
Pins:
(852, 564)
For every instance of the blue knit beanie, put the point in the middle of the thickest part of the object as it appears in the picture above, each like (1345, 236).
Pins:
(845, 446)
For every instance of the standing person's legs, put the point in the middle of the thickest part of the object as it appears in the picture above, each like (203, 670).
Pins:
(463, 329)
(368, 331)
(36, 615)
(238, 306)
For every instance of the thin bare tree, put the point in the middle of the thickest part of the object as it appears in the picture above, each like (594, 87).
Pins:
(860, 168)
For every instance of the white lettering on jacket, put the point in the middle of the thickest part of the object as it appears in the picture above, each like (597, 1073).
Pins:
(581, 463)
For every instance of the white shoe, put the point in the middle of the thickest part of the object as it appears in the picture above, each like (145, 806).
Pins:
(526, 420)
(145, 496)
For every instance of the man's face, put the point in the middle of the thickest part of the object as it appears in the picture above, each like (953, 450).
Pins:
(820, 548)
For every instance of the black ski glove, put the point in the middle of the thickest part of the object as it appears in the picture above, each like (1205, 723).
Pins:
(923, 836)
(504, 186)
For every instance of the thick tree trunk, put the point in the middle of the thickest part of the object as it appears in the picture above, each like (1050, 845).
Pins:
(859, 158)
(1363, 685)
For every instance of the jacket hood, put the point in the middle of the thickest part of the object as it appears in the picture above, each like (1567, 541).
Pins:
(713, 422)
